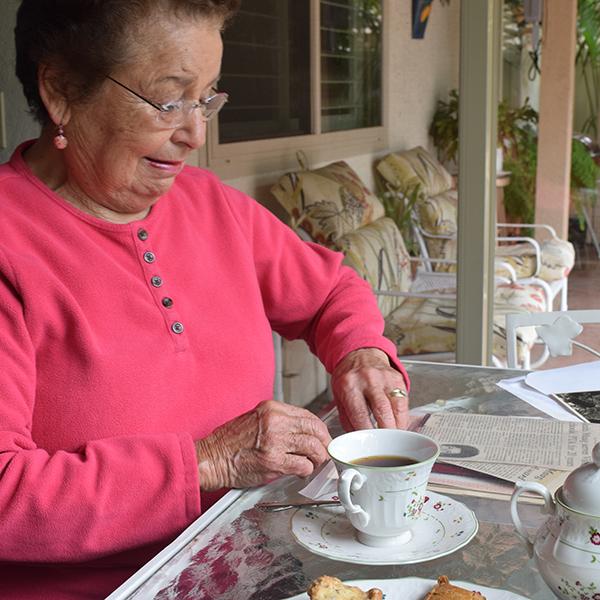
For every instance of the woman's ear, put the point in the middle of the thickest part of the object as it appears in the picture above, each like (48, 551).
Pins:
(53, 95)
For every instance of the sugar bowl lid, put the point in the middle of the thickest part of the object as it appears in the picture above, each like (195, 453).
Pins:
(581, 489)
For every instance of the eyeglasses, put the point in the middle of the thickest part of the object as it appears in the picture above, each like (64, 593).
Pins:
(174, 114)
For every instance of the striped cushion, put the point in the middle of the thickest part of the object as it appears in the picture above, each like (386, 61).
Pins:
(377, 253)
(404, 170)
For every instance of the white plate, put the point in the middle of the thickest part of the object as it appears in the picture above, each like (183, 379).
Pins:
(414, 588)
(445, 526)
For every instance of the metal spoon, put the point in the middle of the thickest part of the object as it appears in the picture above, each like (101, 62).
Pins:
(277, 506)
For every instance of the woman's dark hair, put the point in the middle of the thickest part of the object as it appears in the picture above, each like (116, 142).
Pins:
(87, 39)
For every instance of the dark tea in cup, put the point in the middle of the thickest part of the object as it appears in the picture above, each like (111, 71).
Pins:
(384, 460)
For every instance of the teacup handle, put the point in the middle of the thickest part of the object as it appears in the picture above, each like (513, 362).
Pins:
(352, 480)
(535, 488)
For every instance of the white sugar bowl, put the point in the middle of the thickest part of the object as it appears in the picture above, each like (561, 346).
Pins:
(567, 545)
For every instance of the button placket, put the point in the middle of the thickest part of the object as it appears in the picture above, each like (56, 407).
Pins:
(157, 287)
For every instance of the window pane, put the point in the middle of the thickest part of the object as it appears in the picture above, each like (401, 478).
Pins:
(351, 59)
(266, 71)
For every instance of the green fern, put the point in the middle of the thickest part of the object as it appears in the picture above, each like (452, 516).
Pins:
(584, 171)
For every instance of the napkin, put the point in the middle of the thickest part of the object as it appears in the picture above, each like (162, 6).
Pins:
(324, 482)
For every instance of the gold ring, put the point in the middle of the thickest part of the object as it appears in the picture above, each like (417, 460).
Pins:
(397, 393)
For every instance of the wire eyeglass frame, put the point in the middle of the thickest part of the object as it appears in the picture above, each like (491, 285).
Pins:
(174, 114)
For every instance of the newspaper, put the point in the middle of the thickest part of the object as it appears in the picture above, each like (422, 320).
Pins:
(502, 446)
(551, 478)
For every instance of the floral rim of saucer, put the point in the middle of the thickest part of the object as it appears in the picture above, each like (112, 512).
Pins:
(445, 526)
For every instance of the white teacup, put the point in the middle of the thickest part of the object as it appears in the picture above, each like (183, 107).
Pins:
(383, 502)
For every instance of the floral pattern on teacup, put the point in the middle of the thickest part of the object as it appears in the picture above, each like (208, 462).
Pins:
(415, 506)
(595, 536)
(578, 590)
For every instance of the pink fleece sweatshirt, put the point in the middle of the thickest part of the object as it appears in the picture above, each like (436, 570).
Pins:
(120, 344)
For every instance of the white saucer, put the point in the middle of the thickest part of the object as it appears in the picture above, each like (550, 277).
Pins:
(414, 588)
(445, 526)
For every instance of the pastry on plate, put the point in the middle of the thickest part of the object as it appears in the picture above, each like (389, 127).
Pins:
(444, 590)
(331, 588)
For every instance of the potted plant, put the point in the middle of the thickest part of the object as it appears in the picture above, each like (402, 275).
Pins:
(584, 176)
(516, 139)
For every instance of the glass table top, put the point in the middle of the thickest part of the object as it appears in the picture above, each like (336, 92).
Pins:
(237, 551)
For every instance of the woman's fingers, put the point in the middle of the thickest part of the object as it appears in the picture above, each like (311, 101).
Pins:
(362, 383)
(273, 439)
(355, 409)
(307, 423)
(308, 446)
(400, 410)
(294, 464)
(381, 406)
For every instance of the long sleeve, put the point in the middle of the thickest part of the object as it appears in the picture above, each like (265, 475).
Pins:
(81, 504)
(308, 293)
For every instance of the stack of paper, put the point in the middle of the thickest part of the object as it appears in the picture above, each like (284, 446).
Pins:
(542, 389)
(502, 450)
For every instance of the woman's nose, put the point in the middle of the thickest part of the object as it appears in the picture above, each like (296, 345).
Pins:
(192, 132)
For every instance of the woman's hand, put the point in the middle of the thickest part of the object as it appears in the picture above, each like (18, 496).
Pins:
(273, 439)
(361, 384)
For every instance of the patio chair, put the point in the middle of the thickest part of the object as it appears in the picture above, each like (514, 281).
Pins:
(333, 207)
(434, 220)
(555, 330)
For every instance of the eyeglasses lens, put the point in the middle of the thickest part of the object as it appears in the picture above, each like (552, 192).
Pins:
(180, 112)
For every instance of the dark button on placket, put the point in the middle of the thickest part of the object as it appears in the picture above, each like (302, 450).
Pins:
(177, 327)
(167, 302)
(142, 234)
(156, 281)
(149, 257)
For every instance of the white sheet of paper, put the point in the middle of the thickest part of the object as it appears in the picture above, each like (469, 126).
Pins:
(584, 377)
(520, 389)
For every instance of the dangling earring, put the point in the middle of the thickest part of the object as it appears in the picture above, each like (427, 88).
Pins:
(60, 139)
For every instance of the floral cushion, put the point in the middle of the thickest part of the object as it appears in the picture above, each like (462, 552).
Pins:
(327, 202)
(437, 216)
(421, 325)
(558, 258)
(404, 170)
(511, 298)
(377, 252)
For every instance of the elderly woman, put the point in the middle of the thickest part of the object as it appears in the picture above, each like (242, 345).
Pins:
(137, 300)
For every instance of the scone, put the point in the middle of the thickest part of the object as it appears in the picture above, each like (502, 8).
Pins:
(444, 590)
(331, 588)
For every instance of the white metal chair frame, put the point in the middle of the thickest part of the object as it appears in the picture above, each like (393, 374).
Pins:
(443, 281)
(516, 320)
(552, 289)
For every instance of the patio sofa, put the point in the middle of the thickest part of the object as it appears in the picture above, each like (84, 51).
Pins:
(333, 207)
(435, 224)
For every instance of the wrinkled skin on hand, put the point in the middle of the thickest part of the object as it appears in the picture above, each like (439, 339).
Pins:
(361, 383)
(273, 439)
